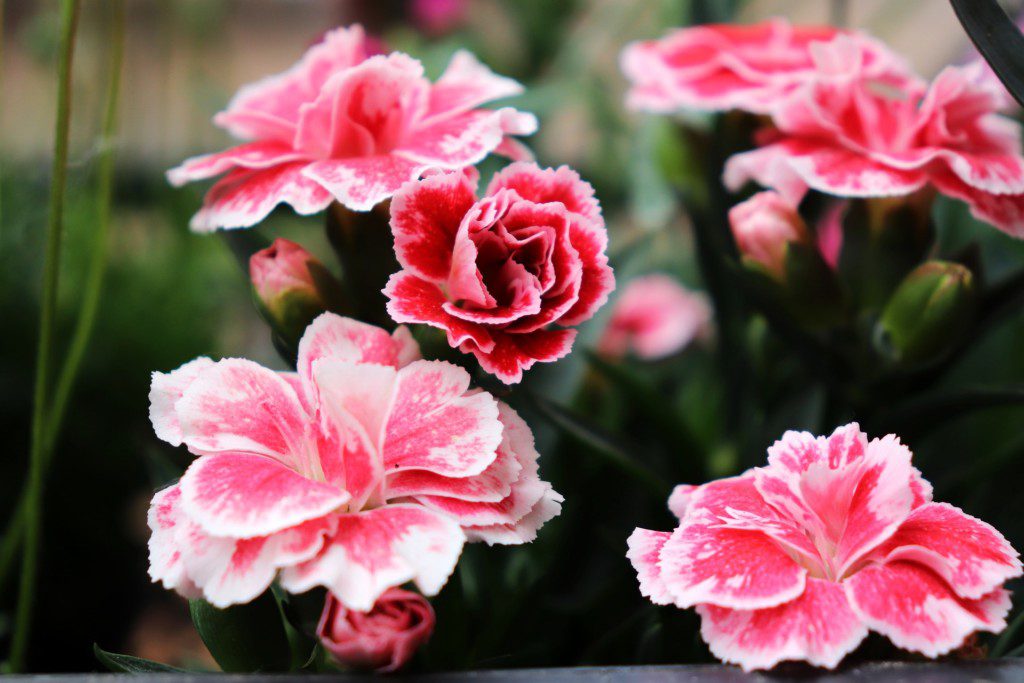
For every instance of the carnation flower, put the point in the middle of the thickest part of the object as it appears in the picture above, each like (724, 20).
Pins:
(365, 469)
(342, 125)
(384, 638)
(654, 317)
(724, 66)
(498, 272)
(847, 137)
(836, 537)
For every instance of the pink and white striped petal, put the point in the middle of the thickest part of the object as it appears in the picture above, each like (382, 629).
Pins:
(512, 354)
(679, 500)
(590, 240)
(378, 549)
(360, 183)
(435, 425)
(414, 300)
(244, 496)
(165, 391)
(523, 530)
(244, 197)
(466, 84)
(165, 519)
(915, 609)
(818, 627)
(425, 218)
(239, 406)
(970, 555)
(464, 139)
(492, 485)
(645, 555)
(252, 155)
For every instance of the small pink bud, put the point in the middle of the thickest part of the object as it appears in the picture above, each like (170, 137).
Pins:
(437, 17)
(383, 639)
(764, 226)
(282, 268)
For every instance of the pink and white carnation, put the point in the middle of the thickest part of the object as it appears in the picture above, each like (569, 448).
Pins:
(718, 67)
(347, 125)
(845, 136)
(497, 273)
(834, 538)
(365, 469)
(654, 317)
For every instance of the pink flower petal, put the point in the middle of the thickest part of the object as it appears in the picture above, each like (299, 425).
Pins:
(361, 183)
(1005, 212)
(165, 391)
(818, 627)
(434, 425)
(523, 530)
(253, 155)
(414, 300)
(165, 563)
(237, 405)
(275, 497)
(542, 185)
(245, 197)
(377, 549)
(590, 239)
(466, 84)
(645, 554)
(917, 611)
(514, 353)
(461, 139)
(339, 338)
(425, 217)
(679, 500)
(970, 555)
(848, 493)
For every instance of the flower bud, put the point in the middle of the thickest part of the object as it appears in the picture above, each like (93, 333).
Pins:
(291, 286)
(928, 313)
(764, 226)
(383, 639)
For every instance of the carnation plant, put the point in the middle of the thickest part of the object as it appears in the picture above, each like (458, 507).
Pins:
(516, 420)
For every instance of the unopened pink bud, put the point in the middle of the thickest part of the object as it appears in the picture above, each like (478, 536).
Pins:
(764, 226)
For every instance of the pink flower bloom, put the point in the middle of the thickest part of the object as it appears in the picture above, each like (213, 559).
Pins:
(384, 638)
(496, 273)
(342, 125)
(835, 537)
(764, 226)
(654, 317)
(723, 66)
(365, 469)
(846, 137)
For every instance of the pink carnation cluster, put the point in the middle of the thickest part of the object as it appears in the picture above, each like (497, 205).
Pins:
(350, 126)
(848, 118)
(363, 470)
(834, 538)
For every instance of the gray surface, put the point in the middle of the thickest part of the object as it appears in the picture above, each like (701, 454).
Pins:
(941, 672)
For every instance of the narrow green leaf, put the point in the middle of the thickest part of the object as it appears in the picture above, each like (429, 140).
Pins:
(132, 665)
(244, 638)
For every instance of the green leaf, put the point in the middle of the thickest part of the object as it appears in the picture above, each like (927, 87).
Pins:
(244, 638)
(132, 665)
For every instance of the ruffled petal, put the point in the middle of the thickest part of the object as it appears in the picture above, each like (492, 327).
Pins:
(542, 185)
(645, 554)
(817, 627)
(414, 300)
(254, 155)
(917, 611)
(165, 391)
(466, 84)
(377, 549)
(514, 353)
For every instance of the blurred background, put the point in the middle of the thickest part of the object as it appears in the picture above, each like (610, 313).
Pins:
(170, 296)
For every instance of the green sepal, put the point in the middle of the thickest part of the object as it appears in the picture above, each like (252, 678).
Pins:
(244, 638)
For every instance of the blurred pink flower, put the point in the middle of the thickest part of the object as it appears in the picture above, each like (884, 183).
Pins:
(830, 233)
(436, 17)
(345, 126)
(843, 136)
(496, 273)
(835, 537)
(365, 469)
(384, 638)
(751, 68)
(654, 317)
(764, 226)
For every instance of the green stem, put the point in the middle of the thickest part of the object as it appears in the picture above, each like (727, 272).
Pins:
(48, 310)
(93, 288)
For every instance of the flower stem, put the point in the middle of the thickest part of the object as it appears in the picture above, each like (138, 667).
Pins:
(48, 306)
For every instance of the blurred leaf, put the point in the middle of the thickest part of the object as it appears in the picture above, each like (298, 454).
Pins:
(244, 638)
(132, 665)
